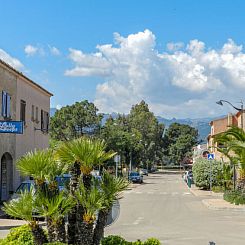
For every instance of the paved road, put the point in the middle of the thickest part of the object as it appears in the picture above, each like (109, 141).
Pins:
(164, 208)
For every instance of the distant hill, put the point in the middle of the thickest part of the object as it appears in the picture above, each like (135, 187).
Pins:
(201, 124)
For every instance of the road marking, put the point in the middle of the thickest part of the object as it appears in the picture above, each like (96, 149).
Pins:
(163, 193)
(138, 220)
(174, 193)
(186, 193)
(150, 192)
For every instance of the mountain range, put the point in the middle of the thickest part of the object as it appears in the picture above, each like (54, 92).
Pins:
(201, 124)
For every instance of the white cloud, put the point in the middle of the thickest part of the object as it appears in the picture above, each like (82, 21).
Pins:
(185, 82)
(30, 50)
(174, 46)
(10, 60)
(58, 107)
(54, 51)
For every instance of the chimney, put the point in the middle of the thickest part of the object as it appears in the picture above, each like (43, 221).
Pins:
(229, 120)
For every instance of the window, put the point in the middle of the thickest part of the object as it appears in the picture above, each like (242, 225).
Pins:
(37, 118)
(44, 121)
(23, 111)
(32, 113)
(6, 98)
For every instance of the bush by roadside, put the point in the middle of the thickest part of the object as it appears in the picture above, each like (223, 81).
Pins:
(117, 240)
(235, 197)
(201, 173)
(22, 236)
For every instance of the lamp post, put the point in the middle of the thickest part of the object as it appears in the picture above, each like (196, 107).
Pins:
(220, 102)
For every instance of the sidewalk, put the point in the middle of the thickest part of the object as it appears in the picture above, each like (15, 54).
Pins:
(215, 201)
(204, 193)
(7, 224)
(220, 204)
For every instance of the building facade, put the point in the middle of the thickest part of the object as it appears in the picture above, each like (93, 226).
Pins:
(221, 125)
(21, 100)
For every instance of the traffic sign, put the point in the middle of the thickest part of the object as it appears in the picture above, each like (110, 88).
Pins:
(210, 156)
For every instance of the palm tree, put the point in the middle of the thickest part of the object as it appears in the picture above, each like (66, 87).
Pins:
(91, 201)
(81, 156)
(233, 146)
(112, 188)
(23, 208)
(43, 168)
(54, 209)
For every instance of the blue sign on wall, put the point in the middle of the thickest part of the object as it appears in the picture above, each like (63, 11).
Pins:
(11, 127)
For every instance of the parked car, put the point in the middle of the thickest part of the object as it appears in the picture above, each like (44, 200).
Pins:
(144, 172)
(135, 177)
(24, 186)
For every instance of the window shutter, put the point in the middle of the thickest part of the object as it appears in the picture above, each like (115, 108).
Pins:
(47, 121)
(42, 125)
(4, 100)
(8, 106)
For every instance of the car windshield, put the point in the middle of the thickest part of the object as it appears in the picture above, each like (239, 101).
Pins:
(134, 174)
(23, 187)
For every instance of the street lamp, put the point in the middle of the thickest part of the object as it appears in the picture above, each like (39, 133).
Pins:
(220, 102)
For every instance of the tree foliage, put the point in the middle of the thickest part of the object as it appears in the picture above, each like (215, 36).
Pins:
(179, 140)
(73, 121)
(138, 133)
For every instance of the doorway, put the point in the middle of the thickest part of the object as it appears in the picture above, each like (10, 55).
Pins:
(6, 186)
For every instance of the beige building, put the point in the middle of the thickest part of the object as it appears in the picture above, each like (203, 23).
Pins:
(221, 125)
(21, 100)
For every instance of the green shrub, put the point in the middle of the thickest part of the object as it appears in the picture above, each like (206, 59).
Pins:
(117, 240)
(55, 243)
(113, 240)
(201, 173)
(236, 197)
(152, 241)
(218, 189)
(19, 236)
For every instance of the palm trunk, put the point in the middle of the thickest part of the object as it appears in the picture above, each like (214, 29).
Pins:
(84, 230)
(51, 230)
(79, 223)
(72, 217)
(100, 226)
(87, 234)
(60, 231)
(39, 236)
(87, 179)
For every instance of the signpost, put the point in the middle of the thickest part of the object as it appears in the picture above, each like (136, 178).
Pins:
(117, 159)
(210, 158)
(11, 127)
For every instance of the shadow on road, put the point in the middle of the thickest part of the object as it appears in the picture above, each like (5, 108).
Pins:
(8, 227)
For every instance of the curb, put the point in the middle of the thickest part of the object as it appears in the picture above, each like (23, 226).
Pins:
(205, 193)
(207, 203)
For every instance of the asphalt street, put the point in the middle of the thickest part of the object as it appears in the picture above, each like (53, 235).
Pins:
(163, 207)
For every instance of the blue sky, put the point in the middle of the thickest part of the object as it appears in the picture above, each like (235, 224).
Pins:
(180, 56)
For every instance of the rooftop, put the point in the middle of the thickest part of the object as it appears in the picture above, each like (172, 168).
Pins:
(25, 77)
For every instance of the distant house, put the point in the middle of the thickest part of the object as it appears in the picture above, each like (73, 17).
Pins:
(200, 150)
(26, 101)
(219, 126)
